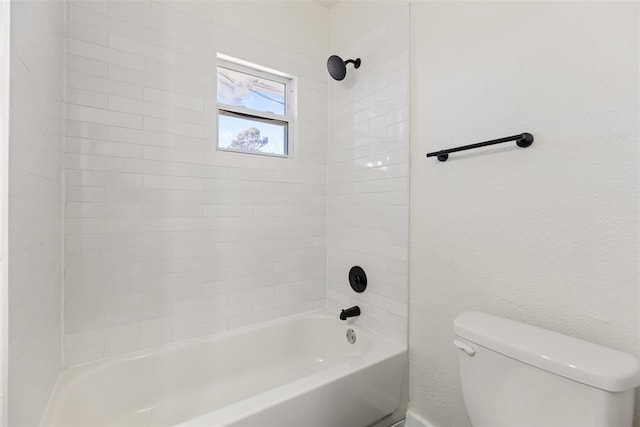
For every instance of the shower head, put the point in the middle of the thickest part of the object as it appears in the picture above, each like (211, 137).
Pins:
(338, 68)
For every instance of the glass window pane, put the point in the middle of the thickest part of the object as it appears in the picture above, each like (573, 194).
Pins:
(256, 93)
(251, 135)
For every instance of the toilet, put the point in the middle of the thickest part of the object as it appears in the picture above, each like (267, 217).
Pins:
(517, 375)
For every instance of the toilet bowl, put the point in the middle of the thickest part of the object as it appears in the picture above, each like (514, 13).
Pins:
(513, 374)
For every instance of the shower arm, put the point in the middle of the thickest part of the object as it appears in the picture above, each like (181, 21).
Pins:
(355, 62)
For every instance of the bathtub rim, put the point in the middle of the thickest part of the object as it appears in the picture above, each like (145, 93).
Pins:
(168, 347)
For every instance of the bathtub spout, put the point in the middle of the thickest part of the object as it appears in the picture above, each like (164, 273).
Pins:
(350, 312)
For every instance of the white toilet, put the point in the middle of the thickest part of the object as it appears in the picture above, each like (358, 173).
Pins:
(517, 375)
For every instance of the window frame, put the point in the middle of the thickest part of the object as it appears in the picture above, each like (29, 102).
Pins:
(262, 116)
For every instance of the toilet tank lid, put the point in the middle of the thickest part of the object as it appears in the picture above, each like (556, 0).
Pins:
(570, 357)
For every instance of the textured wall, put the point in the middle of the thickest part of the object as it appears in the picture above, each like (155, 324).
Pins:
(166, 238)
(35, 207)
(549, 234)
(368, 190)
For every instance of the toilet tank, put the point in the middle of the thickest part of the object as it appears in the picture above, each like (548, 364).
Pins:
(515, 374)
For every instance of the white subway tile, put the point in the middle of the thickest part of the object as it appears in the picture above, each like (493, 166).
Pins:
(102, 210)
(164, 97)
(105, 117)
(171, 211)
(85, 162)
(175, 128)
(123, 225)
(163, 220)
(103, 21)
(272, 303)
(83, 339)
(368, 172)
(129, 345)
(140, 107)
(100, 6)
(141, 48)
(85, 130)
(136, 136)
(225, 312)
(103, 148)
(83, 226)
(101, 53)
(201, 65)
(85, 194)
(192, 116)
(83, 355)
(139, 13)
(86, 98)
(174, 183)
(182, 156)
(87, 66)
(119, 332)
(139, 166)
(190, 87)
(103, 85)
(141, 78)
(184, 332)
(87, 33)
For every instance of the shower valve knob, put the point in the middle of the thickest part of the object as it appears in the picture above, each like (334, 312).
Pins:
(357, 279)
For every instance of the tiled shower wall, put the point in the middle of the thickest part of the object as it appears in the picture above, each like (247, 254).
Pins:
(368, 164)
(166, 238)
(35, 207)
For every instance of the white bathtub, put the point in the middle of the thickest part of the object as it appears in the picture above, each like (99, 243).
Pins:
(299, 371)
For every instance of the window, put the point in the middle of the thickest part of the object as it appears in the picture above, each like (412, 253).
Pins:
(254, 110)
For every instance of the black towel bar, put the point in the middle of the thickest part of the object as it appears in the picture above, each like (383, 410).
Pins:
(523, 140)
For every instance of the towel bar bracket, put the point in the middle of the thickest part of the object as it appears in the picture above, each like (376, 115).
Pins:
(525, 141)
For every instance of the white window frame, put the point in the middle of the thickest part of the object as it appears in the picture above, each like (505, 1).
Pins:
(287, 119)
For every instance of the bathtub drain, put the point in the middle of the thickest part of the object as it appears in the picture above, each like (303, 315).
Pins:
(351, 336)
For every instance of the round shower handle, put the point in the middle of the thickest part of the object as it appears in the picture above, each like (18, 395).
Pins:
(357, 279)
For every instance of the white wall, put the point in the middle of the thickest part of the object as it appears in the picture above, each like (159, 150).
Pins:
(548, 234)
(368, 163)
(167, 238)
(35, 207)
